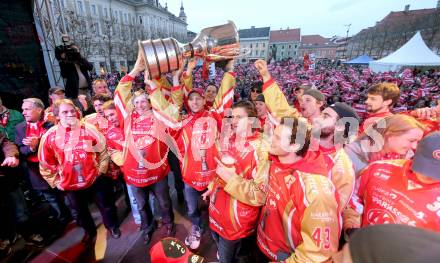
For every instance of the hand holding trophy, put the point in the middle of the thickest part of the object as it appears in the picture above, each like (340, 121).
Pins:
(212, 44)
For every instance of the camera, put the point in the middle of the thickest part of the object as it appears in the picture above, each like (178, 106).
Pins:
(70, 50)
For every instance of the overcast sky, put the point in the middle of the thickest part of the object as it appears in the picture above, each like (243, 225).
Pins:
(324, 17)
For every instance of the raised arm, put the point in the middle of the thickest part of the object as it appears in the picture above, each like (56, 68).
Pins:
(225, 96)
(275, 100)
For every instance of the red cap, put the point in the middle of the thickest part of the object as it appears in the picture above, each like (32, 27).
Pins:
(172, 250)
(199, 91)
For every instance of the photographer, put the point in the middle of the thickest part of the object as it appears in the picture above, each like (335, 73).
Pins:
(74, 68)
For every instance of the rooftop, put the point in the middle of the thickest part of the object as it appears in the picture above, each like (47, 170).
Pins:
(286, 35)
(254, 32)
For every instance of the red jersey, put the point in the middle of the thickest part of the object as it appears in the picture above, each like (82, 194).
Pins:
(300, 221)
(144, 157)
(197, 145)
(145, 151)
(34, 129)
(71, 159)
(372, 119)
(234, 208)
(100, 122)
(115, 146)
(341, 173)
(197, 134)
(391, 193)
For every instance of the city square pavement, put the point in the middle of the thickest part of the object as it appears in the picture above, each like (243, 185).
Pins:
(128, 248)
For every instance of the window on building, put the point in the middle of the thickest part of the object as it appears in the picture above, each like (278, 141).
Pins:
(80, 8)
(140, 20)
(264, 44)
(121, 17)
(296, 46)
(294, 53)
(257, 53)
(290, 46)
(251, 45)
(105, 12)
(93, 9)
(256, 45)
(125, 18)
(262, 53)
(270, 46)
(282, 47)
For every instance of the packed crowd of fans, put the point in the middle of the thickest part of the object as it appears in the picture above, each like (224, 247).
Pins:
(293, 163)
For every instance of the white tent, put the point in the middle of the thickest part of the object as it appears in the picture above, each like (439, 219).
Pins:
(413, 53)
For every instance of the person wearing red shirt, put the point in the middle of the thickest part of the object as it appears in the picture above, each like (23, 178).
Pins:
(393, 137)
(311, 103)
(299, 91)
(98, 119)
(73, 158)
(300, 219)
(99, 86)
(403, 191)
(55, 93)
(27, 138)
(236, 195)
(196, 137)
(210, 94)
(335, 127)
(115, 145)
(144, 157)
(381, 98)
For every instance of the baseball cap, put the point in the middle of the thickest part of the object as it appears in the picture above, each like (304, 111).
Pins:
(315, 94)
(344, 110)
(260, 97)
(427, 157)
(199, 91)
(304, 87)
(56, 89)
(172, 250)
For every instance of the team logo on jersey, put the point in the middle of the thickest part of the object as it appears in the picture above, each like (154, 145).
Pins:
(413, 185)
(436, 154)
(379, 216)
(381, 176)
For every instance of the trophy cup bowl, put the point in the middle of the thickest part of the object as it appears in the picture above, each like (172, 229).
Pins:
(166, 55)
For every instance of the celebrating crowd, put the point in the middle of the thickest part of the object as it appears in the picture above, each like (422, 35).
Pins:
(291, 163)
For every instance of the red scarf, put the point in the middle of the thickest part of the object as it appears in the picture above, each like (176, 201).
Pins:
(34, 129)
(5, 118)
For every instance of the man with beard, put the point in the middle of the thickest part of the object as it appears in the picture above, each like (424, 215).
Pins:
(381, 98)
(300, 220)
(332, 130)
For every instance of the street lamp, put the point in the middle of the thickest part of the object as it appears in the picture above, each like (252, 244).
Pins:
(346, 39)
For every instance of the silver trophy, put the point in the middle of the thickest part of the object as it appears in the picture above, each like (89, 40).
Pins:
(213, 43)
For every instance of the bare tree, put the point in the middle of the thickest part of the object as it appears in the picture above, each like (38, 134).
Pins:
(78, 31)
(128, 44)
(109, 34)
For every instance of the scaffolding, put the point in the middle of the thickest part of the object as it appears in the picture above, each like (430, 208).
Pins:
(50, 25)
